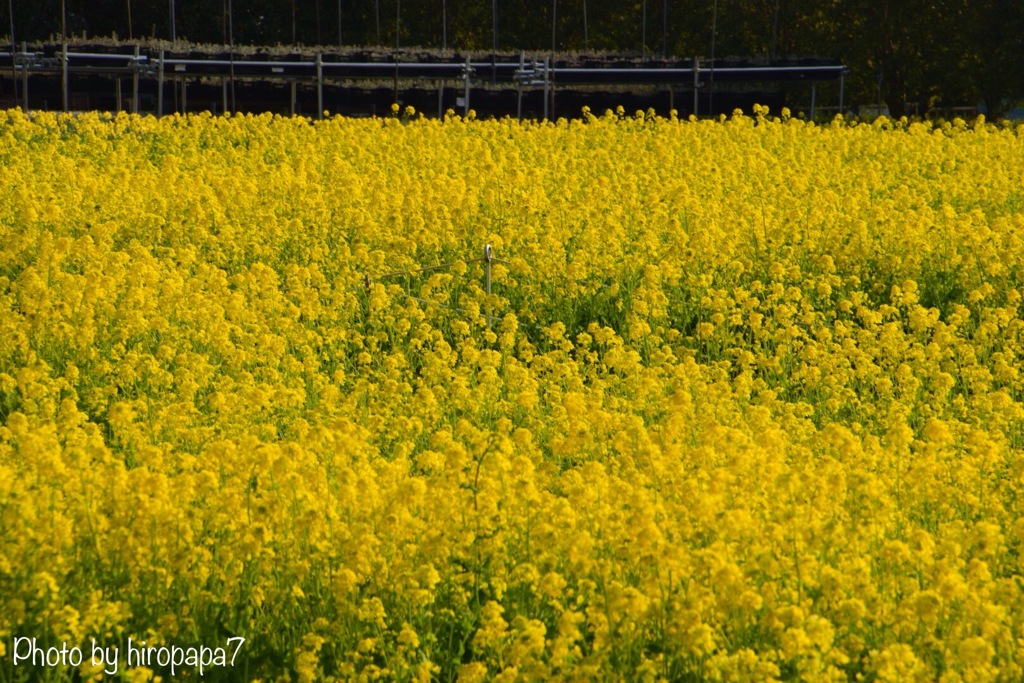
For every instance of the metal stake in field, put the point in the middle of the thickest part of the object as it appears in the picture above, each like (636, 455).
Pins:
(488, 257)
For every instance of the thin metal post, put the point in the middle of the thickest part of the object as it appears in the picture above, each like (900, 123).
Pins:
(842, 78)
(395, 82)
(14, 49)
(184, 96)
(814, 92)
(488, 256)
(519, 85)
(117, 91)
(135, 82)
(64, 75)
(465, 101)
(224, 94)
(711, 79)
(696, 85)
(231, 46)
(319, 85)
(293, 89)
(547, 87)
(160, 86)
(440, 99)
(24, 75)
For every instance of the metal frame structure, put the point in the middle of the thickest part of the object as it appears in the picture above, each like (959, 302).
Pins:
(159, 65)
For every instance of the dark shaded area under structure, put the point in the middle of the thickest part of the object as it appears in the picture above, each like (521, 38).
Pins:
(160, 81)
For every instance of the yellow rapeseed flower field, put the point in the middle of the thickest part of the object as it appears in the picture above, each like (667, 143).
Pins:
(748, 404)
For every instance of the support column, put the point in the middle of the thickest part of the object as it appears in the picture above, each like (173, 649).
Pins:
(547, 87)
(465, 101)
(160, 86)
(519, 86)
(24, 75)
(696, 86)
(319, 86)
(135, 82)
(64, 75)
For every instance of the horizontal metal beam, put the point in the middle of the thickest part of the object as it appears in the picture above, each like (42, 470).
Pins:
(98, 63)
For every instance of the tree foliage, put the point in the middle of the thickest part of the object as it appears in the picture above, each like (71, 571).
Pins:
(911, 54)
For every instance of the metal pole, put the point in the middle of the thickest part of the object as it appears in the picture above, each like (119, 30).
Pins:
(465, 101)
(231, 45)
(696, 85)
(546, 87)
(64, 75)
(293, 88)
(488, 256)
(117, 91)
(174, 34)
(14, 62)
(842, 78)
(398, 23)
(711, 79)
(135, 82)
(519, 86)
(160, 86)
(440, 99)
(319, 85)
(184, 96)
(224, 94)
(444, 24)
(24, 75)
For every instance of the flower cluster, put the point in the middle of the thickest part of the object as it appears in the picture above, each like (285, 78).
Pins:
(744, 401)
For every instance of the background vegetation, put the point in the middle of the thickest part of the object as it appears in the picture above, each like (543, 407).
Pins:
(924, 52)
